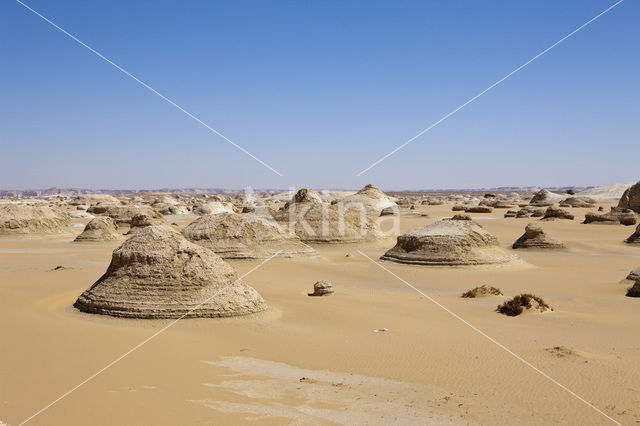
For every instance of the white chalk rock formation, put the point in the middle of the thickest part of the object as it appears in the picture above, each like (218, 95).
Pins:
(157, 273)
(31, 219)
(244, 236)
(102, 228)
(448, 242)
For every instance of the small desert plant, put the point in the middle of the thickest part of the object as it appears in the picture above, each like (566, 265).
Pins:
(516, 306)
(483, 290)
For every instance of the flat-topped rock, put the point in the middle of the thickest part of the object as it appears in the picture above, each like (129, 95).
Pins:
(617, 215)
(448, 242)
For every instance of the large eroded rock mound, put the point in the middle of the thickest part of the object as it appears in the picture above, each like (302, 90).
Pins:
(371, 199)
(534, 237)
(244, 236)
(25, 219)
(157, 273)
(448, 242)
(102, 228)
(631, 198)
(315, 221)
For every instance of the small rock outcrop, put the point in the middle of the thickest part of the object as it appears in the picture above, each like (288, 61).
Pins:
(633, 277)
(553, 213)
(634, 290)
(27, 219)
(482, 291)
(518, 304)
(144, 220)
(322, 288)
(534, 237)
(478, 209)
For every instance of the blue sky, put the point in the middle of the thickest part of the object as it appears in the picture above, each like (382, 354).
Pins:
(319, 90)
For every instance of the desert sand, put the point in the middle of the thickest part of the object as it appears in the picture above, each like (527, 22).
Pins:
(374, 352)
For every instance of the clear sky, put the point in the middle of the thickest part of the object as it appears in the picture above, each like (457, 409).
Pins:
(318, 90)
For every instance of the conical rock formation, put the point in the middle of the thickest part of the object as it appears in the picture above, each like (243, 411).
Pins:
(244, 236)
(102, 228)
(157, 273)
(371, 199)
(535, 238)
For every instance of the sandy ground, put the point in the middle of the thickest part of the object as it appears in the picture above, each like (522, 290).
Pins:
(310, 360)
